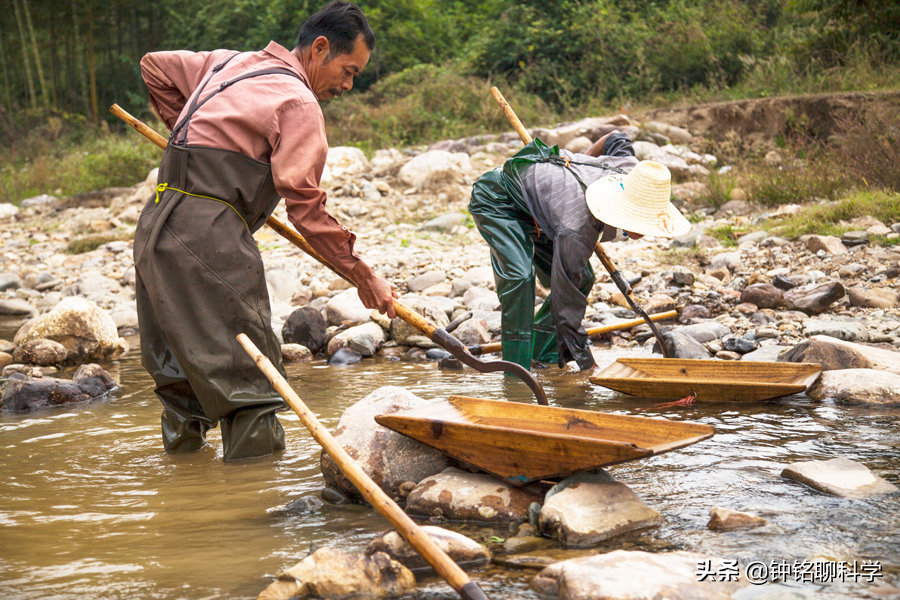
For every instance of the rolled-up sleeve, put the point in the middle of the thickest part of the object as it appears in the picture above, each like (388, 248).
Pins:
(299, 149)
(171, 77)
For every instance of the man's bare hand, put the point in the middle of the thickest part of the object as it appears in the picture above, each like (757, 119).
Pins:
(379, 294)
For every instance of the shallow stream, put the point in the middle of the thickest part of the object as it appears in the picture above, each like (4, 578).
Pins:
(90, 506)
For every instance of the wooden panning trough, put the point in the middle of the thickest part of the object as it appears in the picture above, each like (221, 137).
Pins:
(526, 442)
(709, 380)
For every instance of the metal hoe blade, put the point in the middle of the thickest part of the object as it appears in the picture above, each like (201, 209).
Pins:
(459, 351)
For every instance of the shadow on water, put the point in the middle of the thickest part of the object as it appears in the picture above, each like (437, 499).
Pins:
(91, 507)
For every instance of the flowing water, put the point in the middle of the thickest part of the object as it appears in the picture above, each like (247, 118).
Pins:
(90, 506)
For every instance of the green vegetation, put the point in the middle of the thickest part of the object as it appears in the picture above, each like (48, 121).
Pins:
(63, 62)
(92, 242)
(832, 218)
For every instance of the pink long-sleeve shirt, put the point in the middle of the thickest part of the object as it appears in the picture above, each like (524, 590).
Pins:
(271, 118)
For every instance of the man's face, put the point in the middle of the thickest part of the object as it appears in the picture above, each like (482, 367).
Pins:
(331, 76)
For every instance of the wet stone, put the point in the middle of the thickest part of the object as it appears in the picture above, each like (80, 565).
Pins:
(344, 357)
(858, 386)
(90, 382)
(461, 549)
(834, 354)
(741, 345)
(839, 477)
(584, 510)
(305, 326)
(724, 519)
(40, 352)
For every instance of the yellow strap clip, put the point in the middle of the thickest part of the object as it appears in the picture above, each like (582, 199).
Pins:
(165, 186)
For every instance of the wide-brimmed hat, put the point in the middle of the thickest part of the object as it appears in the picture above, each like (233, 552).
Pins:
(638, 202)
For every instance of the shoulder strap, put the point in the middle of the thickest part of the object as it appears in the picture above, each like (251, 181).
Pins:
(566, 162)
(182, 127)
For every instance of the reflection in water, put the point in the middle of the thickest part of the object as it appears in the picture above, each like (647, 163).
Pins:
(91, 506)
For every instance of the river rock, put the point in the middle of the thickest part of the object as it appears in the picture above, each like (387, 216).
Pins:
(815, 297)
(873, 297)
(16, 307)
(462, 550)
(858, 386)
(7, 210)
(336, 574)
(295, 353)
(633, 575)
(681, 345)
(5, 359)
(425, 281)
(839, 477)
(305, 326)
(472, 332)
(445, 223)
(40, 352)
(741, 345)
(585, 509)
(344, 357)
(705, 331)
(728, 260)
(763, 295)
(693, 311)
(89, 382)
(389, 458)
(343, 161)
(429, 307)
(364, 339)
(9, 281)
(346, 307)
(768, 353)
(462, 496)
(435, 169)
(850, 331)
(834, 354)
(828, 243)
(86, 330)
(724, 519)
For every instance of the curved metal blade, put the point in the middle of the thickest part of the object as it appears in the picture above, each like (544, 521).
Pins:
(458, 350)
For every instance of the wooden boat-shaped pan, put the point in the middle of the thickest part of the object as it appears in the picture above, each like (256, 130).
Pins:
(714, 380)
(526, 442)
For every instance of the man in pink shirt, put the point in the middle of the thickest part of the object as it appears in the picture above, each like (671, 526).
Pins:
(247, 130)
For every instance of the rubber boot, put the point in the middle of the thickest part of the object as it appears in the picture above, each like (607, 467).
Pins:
(184, 425)
(252, 432)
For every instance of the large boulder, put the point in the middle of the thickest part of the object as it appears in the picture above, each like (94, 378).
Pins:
(389, 458)
(89, 382)
(833, 354)
(460, 549)
(586, 509)
(858, 386)
(435, 169)
(85, 330)
(462, 496)
(331, 574)
(343, 161)
(632, 575)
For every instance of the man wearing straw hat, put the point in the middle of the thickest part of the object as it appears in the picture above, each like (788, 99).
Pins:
(541, 214)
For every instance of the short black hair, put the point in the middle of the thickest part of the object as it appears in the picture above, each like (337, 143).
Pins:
(340, 22)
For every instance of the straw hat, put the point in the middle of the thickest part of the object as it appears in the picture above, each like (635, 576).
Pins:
(638, 202)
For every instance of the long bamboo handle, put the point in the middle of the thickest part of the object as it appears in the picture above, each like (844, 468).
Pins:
(511, 116)
(373, 494)
(595, 331)
(404, 312)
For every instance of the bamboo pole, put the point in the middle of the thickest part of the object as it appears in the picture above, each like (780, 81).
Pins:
(592, 332)
(37, 56)
(31, 93)
(373, 494)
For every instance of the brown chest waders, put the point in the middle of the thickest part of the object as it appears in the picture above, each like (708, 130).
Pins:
(200, 282)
